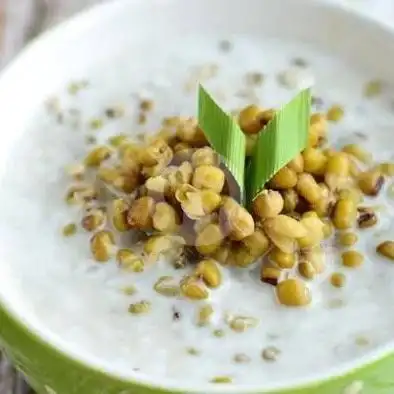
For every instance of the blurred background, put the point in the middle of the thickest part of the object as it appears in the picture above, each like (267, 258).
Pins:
(22, 20)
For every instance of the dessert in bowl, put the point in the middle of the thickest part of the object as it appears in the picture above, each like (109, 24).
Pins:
(109, 283)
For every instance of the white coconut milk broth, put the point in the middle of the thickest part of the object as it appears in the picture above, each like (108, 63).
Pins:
(80, 301)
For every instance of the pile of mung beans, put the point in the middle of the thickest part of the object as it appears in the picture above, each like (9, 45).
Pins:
(172, 191)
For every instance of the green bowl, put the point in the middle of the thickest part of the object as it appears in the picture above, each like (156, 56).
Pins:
(63, 52)
(51, 371)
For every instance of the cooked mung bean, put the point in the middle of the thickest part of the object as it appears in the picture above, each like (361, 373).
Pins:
(284, 243)
(221, 379)
(347, 238)
(93, 220)
(338, 164)
(314, 161)
(157, 187)
(208, 177)
(270, 275)
(77, 171)
(306, 269)
(80, 194)
(267, 204)
(165, 218)
(285, 178)
(237, 221)
(146, 105)
(96, 156)
(317, 130)
(96, 124)
(241, 257)
(241, 358)
(386, 249)
(193, 351)
(257, 243)
(183, 174)
(309, 214)
(371, 182)
(290, 200)
(140, 214)
(219, 333)
(210, 201)
(249, 119)
(194, 289)
(270, 353)
(209, 272)
(140, 308)
(335, 113)
(242, 323)
(358, 152)
(285, 226)
(158, 245)
(188, 131)
(315, 231)
(209, 240)
(129, 290)
(222, 255)
(101, 245)
(180, 146)
(387, 169)
(204, 156)
(153, 153)
(117, 140)
(316, 257)
(308, 188)
(129, 261)
(337, 170)
(281, 259)
(293, 292)
(328, 228)
(351, 193)
(338, 279)
(297, 164)
(107, 174)
(120, 211)
(352, 259)
(366, 217)
(324, 206)
(204, 315)
(167, 286)
(69, 229)
(345, 214)
(373, 88)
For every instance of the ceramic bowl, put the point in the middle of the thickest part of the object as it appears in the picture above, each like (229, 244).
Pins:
(104, 35)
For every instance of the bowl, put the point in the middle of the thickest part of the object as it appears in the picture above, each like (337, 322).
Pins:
(113, 48)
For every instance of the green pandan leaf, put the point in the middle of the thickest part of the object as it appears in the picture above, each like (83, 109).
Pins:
(284, 137)
(226, 138)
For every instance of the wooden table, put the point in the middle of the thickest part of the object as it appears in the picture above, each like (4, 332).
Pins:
(21, 20)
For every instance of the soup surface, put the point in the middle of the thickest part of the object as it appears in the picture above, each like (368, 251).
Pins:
(84, 302)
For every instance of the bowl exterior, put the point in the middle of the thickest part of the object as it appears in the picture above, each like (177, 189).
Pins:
(52, 372)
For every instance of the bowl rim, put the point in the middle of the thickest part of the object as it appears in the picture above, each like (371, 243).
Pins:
(77, 24)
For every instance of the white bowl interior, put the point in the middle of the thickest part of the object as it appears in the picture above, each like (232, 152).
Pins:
(114, 44)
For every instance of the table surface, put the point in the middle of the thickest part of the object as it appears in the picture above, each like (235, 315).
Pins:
(21, 20)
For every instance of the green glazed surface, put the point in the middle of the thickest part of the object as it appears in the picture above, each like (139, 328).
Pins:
(49, 371)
